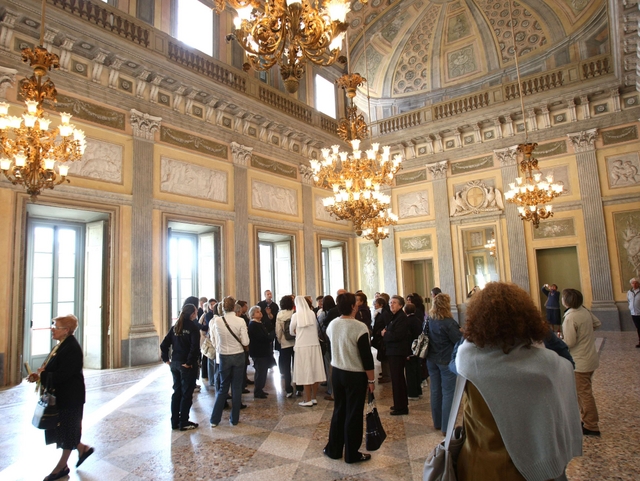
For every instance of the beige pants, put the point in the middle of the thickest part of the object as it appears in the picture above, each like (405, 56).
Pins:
(588, 409)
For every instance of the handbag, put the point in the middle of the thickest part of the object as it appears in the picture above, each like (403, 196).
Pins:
(375, 435)
(441, 462)
(46, 414)
(208, 349)
(420, 346)
(246, 348)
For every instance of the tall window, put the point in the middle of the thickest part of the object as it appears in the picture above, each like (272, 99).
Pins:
(276, 264)
(194, 25)
(333, 272)
(325, 96)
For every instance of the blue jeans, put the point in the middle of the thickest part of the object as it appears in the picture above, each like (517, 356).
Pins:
(231, 369)
(184, 382)
(443, 385)
(214, 376)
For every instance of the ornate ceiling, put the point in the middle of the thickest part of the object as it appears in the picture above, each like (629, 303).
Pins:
(421, 50)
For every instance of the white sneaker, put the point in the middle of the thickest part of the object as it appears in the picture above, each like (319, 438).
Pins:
(314, 401)
(305, 404)
(214, 425)
(289, 394)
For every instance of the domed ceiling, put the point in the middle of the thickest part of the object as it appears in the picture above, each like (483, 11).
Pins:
(416, 48)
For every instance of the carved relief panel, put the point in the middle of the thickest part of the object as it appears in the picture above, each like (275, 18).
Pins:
(476, 197)
(274, 198)
(192, 180)
(101, 161)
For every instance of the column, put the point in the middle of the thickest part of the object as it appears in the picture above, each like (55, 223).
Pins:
(308, 206)
(603, 304)
(241, 157)
(142, 347)
(515, 225)
(446, 281)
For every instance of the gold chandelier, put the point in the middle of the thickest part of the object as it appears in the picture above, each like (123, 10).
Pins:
(356, 177)
(30, 153)
(491, 245)
(289, 32)
(530, 192)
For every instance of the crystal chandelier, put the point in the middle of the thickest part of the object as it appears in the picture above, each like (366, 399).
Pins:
(356, 177)
(491, 245)
(289, 32)
(30, 153)
(530, 193)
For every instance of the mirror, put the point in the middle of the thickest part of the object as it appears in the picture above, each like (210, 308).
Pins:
(480, 263)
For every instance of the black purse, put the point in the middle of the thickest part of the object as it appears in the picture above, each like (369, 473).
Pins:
(375, 435)
(46, 415)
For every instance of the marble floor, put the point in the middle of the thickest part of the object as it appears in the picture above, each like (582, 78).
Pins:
(127, 421)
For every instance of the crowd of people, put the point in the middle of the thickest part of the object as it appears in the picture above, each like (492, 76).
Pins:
(514, 362)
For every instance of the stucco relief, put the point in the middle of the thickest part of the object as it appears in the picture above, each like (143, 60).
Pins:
(627, 231)
(461, 62)
(274, 198)
(413, 204)
(476, 197)
(369, 269)
(101, 161)
(623, 170)
(323, 215)
(191, 180)
(458, 27)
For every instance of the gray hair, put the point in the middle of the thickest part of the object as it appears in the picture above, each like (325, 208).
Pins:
(634, 279)
(253, 310)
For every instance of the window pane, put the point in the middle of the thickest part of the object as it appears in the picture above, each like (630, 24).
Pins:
(41, 290)
(67, 241)
(195, 25)
(186, 289)
(66, 265)
(266, 261)
(325, 96)
(41, 315)
(66, 289)
(43, 239)
(42, 265)
(65, 308)
(40, 343)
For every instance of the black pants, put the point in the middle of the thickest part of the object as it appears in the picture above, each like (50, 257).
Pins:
(284, 364)
(398, 382)
(349, 392)
(414, 376)
(184, 382)
(636, 321)
(205, 367)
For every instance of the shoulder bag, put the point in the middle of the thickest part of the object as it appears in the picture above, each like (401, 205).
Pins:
(441, 462)
(46, 414)
(208, 349)
(420, 346)
(246, 348)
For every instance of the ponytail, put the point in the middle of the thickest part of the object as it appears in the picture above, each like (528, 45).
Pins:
(185, 314)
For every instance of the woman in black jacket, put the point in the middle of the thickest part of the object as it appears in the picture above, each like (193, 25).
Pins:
(62, 372)
(184, 339)
(397, 344)
(261, 351)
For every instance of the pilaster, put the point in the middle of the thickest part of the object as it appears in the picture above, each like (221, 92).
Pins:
(143, 343)
(241, 157)
(515, 226)
(389, 267)
(603, 304)
(446, 281)
(308, 206)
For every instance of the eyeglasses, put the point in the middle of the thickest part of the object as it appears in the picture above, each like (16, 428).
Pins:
(53, 326)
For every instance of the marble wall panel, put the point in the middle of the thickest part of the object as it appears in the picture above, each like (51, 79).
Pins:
(183, 178)
(274, 198)
(101, 161)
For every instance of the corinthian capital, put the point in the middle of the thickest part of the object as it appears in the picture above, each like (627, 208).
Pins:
(241, 154)
(507, 156)
(306, 173)
(144, 125)
(583, 141)
(438, 170)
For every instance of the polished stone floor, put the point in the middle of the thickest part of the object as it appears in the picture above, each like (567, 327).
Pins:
(127, 421)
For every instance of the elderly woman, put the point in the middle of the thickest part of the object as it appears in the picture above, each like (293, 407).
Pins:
(577, 329)
(260, 350)
(352, 375)
(444, 333)
(286, 345)
(62, 371)
(184, 341)
(512, 380)
(308, 367)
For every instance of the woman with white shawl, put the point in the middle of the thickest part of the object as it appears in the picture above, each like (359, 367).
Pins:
(308, 367)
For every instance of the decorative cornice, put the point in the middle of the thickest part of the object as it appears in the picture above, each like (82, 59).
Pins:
(438, 170)
(306, 173)
(507, 156)
(144, 125)
(241, 154)
(583, 141)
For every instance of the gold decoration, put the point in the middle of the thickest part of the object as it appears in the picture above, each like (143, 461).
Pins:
(30, 154)
(289, 32)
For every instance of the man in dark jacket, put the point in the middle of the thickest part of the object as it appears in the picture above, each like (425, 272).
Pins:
(413, 367)
(396, 341)
(364, 313)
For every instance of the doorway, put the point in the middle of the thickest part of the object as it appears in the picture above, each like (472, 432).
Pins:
(418, 277)
(66, 259)
(558, 266)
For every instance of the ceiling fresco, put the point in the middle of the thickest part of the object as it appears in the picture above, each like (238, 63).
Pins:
(415, 48)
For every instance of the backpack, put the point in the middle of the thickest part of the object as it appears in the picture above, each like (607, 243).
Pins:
(287, 333)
